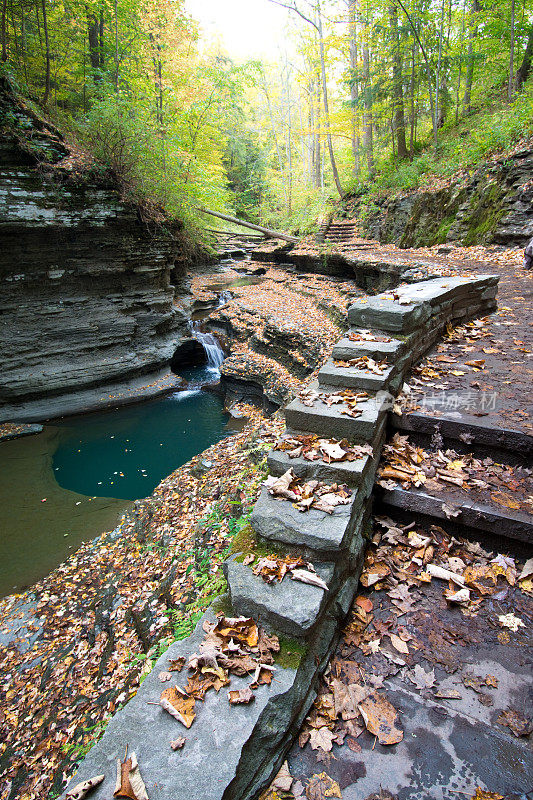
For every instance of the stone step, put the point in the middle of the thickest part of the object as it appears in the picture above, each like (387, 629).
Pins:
(416, 303)
(290, 607)
(493, 519)
(349, 472)
(352, 378)
(346, 348)
(329, 421)
(314, 533)
(212, 755)
(231, 752)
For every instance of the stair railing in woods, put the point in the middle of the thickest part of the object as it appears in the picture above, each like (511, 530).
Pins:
(268, 232)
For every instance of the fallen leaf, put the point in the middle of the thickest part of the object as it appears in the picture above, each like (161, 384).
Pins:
(165, 676)
(514, 720)
(179, 705)
(82, 789)
(451, 511)
(365, 603)
(322, 786)
(421, 678)
(283, 780)
(448, 694)
(510, 621)
(129, 782)
(461, 597)
(177, 744)
(304, 576)
(398, 644)
(483, 794)
(239, 697)
(322, 738)
(380, 718)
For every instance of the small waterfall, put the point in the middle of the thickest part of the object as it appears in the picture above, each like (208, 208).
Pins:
(213, 350)
(223, 298)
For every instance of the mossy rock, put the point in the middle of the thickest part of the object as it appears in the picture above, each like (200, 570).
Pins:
(487, 210)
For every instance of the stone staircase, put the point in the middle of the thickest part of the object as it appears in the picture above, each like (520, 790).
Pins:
(232, 753)
(336, 231)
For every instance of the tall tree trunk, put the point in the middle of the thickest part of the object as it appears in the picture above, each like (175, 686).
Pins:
(326, 105)
(525, 66)
(318, 150)
(101, 51)
(412, 85)
(397, 83)
(4, 30)
(460, 65)
(47, 55)
(354, 84)
(116, 46)
(94, 43)
(510, 89)
(439, 66)
(428, 71)
(368, 143)
(472, 34)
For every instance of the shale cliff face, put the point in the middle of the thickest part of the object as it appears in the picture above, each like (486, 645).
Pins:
(493, 206)
(86, 296)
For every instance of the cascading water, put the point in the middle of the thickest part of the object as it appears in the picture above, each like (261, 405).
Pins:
(213, 350)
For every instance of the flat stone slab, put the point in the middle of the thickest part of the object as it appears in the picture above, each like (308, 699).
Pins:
(209, 761)
(387, 314)
(346, 348)
(329, 421)
(15, 431)
(110, 395)
(438, 290)
(350, 472)
(352, 378)
(415, 302)
(291, 607)
(326, 535)
(481, 516)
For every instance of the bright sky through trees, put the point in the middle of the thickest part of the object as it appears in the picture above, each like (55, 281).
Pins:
(245, 28)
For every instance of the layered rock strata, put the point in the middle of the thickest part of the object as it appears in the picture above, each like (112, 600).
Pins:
(86, 293)
(494, 206)
(233, 753)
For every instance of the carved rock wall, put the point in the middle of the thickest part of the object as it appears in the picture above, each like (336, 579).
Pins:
(86, 295)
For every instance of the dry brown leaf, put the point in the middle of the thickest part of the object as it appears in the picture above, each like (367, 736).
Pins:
(398, 644)
(82, 789)
(305, 576)
(483, 794)
(179, 705)
(516, 721)
(241, 696)
(321, 787)
(283, 780)
(380, 718)
(177, 744)
(322, 738)
(129, 782)
(365, 603)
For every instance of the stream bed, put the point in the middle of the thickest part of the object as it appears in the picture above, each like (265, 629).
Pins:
(75, 479)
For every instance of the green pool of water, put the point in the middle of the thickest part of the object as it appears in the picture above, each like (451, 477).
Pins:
(74, 480)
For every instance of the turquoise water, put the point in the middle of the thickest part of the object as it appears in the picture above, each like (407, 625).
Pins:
(126, 452)
(63, 486)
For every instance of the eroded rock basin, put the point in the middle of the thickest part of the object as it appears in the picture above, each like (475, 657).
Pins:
(76, 478)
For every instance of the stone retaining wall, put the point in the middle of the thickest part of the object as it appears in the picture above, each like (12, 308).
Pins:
(231, 753)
